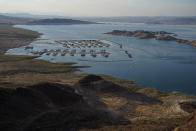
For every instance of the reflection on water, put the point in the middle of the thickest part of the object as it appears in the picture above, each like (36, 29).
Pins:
(163, 65)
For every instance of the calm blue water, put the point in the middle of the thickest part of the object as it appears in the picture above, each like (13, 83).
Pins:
(167, 66)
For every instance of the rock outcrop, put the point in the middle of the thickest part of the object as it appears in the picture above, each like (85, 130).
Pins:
(193, 43)
(190, 124)
(143, 35)
(165, 37)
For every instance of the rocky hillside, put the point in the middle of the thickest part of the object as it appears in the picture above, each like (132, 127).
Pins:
(93, 102)
(52, 107)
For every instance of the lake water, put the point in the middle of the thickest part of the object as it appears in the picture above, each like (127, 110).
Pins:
(167, 66)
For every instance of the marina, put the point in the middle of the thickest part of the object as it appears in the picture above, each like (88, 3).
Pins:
(83, 43)
(82, 48)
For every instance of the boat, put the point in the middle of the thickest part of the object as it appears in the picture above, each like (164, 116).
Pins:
(55, 53)
(28, 47)
(93, 54)
(129, 55)
(63, 54)
(48, 53)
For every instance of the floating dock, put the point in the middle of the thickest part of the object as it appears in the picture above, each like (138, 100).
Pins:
(82, 48)
(83, 43)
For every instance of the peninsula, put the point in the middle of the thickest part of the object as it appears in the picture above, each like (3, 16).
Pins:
(158, 35)
(12, 37)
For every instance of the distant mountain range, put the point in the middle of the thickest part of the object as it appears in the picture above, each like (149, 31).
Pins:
(28, 15)
(25, 18)
(9, 20)
(169, 20)
(58, 21)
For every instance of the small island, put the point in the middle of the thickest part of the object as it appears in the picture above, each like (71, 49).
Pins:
(158, 35)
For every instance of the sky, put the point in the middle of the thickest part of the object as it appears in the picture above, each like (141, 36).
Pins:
(101, 7)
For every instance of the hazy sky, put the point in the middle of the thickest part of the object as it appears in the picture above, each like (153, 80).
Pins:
(101, 7)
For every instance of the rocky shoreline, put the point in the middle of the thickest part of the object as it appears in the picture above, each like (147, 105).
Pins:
(158, 35)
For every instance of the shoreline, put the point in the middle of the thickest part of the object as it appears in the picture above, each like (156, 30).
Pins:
(21, 37)
(39, 37)
(54, 89)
